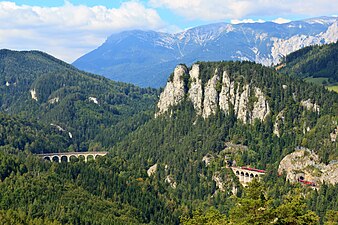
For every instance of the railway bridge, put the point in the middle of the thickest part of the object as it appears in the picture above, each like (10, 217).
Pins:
(67, 156)
(246, 174)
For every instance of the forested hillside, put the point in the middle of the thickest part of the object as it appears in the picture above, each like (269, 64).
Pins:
(179, 140)
(38, 86)
(315, 62)
(170, 168)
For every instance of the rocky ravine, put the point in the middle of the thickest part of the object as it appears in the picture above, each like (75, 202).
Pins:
(305, 164)
(218, 92)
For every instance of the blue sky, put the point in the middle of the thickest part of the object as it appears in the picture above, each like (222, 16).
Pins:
(69, 29)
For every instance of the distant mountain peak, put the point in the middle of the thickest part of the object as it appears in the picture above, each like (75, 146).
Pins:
(146, 58)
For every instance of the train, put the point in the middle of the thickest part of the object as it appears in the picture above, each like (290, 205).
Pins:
(253, 169)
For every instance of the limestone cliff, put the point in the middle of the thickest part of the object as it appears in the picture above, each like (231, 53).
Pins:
(173, 92)
(310, 106)
(195, 91)
(304, 164)
(217, 92)
(261, 107)
(210, 97)
(225, 97)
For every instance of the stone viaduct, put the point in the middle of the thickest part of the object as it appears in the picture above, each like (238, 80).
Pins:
(66, 156)
(246, 174)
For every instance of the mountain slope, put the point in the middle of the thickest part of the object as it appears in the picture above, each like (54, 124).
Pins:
(28, 135)
(194, 135)
(36, 85)
(146, 57)
(313, 61)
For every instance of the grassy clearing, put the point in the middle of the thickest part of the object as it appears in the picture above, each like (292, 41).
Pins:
(333, 88)
(317, 80)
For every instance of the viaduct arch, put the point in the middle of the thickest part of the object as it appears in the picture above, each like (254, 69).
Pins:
(66, 156)
(246, 174)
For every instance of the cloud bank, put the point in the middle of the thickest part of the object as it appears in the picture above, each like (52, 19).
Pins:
(69, 31)
(211, 10)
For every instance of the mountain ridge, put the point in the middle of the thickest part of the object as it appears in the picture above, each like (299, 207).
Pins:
(38, 86)
(145, 57)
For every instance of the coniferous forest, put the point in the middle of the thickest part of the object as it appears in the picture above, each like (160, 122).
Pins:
(49, 106)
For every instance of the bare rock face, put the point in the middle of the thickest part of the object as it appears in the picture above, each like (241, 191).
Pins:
(173, 92)
(170, 180)
(334, 134)
(283, 47)
(242, 107)
(261, 107)
(207, 159)
(33, 94)
(279, 120)
(213, 95)
(304, 164)
(219, 181)
(152, 170)
(210, 97)
(310, 106)
(195, 91)
(224, 96)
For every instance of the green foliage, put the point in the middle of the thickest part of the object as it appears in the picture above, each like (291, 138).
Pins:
(104, 191)
(211, 217)
(331, 218)
(333, 88)
(115, 189)
(314, 61)
(28, 135)
(66, 98)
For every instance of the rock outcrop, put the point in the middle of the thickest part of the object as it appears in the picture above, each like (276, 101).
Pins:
(216, 93)
(227, 92)
(261, 107)
(219, 181)
(279, 120)
(304, 164)
(173, 92)
(207, 159)
(195, 91)
(34, 95)
(310, 106)
(170, 180)
(210, 97)
(152, 170)
(334, 134)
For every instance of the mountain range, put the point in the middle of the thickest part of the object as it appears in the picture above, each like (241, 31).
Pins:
(146, 58)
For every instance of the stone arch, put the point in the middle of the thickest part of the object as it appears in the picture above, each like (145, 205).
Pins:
(242, 174)
(81, 157)
(246, 174)
(90, 158)
(237, 172)
(256, 175)
(47, 158)
(64, 158)
(55, 158)
(251, 175)
(73, 158)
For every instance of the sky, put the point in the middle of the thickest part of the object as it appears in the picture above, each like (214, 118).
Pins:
(68, 29)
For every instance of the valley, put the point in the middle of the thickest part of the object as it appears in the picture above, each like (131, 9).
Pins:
(230, 124)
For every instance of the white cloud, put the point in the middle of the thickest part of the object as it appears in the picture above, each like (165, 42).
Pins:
(281, 20)
(247, 21)
(210, 10)
(70, 31)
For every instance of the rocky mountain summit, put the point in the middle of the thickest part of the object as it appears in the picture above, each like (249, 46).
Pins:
(146, 57)
(220, 91)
